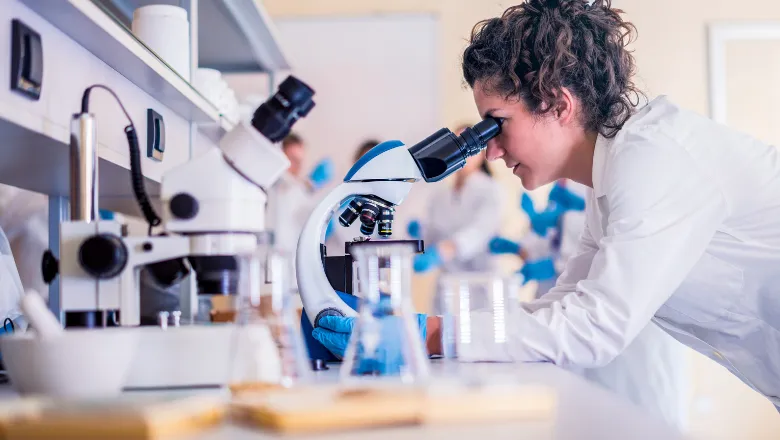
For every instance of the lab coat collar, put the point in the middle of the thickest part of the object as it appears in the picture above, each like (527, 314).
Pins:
(603, 145)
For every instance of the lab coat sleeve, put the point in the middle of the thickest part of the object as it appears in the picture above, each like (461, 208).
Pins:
(472, 240)
(660, 210)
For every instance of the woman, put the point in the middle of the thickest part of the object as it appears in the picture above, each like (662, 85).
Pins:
(292, 197)
(682, 219)
(461, 221)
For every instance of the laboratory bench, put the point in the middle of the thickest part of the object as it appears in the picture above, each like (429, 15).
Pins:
(583, 411)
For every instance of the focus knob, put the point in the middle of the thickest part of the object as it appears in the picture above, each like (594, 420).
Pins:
(103, 256)
(49, 266)
(184, 206)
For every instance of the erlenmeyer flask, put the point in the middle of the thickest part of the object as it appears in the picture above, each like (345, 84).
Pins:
(267, 348)
(386, 339)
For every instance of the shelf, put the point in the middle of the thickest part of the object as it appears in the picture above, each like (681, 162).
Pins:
(43, 165)
(88, 25)
(233, 35)
(247, 39)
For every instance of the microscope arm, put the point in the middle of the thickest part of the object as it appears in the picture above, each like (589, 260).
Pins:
(319, 298)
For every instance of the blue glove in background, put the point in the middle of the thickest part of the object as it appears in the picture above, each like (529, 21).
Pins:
(565, 198)
(539, 270)
(428, 260)
(541, 221)
(414, 229)
(501, 245)
(527, 205)
(334, 333)
(322, 173)
(106, 214)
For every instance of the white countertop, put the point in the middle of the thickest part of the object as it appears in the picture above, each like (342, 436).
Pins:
(584, 412)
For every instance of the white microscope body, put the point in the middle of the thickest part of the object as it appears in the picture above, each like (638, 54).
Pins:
(213, 210)
(387, 172)
(380, 180)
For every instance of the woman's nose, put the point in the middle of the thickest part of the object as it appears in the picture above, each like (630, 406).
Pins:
(494, 151)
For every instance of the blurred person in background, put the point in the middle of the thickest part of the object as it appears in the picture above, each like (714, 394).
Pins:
(24, 217)
(291, 198)
(552, 236)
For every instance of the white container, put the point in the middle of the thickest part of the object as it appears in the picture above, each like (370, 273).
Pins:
(166, 30)
(76, 364)
(210, 84)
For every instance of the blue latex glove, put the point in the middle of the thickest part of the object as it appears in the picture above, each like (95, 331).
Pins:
(527, 205)
(428, 260)
(501, 245)
(566, 199)
(106, 214)
(541, 221)
(414, 229)
(322, 173)
(334, 333)
(539, 270)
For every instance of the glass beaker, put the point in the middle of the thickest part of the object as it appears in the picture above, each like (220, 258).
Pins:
(267, 348)
(385, 339)
(478, 309)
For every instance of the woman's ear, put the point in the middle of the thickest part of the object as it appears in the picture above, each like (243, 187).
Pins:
(565, 107)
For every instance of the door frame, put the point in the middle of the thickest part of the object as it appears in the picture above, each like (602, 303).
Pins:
(719, 34)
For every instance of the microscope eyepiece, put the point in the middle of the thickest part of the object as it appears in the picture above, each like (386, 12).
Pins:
(443, 153)
(275, 117)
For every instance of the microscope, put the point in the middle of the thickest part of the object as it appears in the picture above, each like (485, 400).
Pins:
(374, 186)
(213, 210)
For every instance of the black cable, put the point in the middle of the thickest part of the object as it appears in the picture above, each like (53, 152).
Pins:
(136, 174)
(137, 179)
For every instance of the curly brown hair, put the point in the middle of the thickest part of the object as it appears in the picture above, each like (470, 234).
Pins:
(539, 47)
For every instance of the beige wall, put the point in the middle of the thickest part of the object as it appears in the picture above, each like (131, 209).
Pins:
(672, 59)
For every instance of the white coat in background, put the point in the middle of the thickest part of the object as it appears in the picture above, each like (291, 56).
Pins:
(469, 218)
(24, 216)
(682, 229)
(290, 203)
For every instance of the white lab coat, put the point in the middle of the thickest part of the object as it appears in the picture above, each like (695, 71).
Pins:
(24, 216)
(290, 202)
(653, 372)
(469, 218)
(682, 229)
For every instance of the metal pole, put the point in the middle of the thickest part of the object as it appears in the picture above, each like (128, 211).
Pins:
(83, 169)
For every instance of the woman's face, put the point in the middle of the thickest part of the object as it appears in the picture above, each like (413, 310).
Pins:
(535, 147)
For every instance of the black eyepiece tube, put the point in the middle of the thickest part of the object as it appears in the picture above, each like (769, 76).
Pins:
(443, 153)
